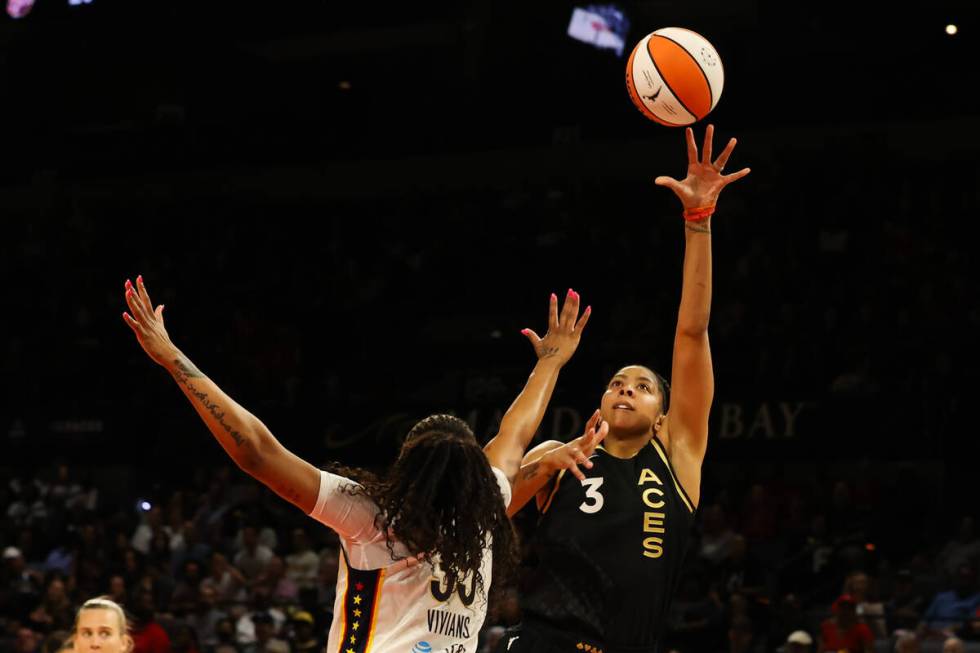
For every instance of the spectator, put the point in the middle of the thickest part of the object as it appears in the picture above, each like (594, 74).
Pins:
(185, 640)
(22, 585)
(117, 589)
(869, 609)
(962, 550)
(274, 583)
(907, 643)
(742, 638)
(253, 557)
(843, 631)
(27, 641)
(492, 638)
(951, 609)
(206, 617)
(265, 636)
(304, 639)
(148, 635)
(227, 582)
(226, 635)
(954, 645)
(55, 641)
(152, 522)
(187, 592)
(716, 536)
(55, 610)
(799, 641)
(904, 610)
(327, 585)
(187, 545)
(970, 631)
(303, 564)
(741, 573)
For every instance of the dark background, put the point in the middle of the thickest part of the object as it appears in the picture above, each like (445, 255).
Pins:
(350, 211)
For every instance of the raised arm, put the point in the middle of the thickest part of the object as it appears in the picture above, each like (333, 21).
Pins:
(692, 377)
(506, 450)
(242, 435)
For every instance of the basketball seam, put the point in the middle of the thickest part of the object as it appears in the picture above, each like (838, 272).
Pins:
(711, 91)
(670, 90)
(637, 99)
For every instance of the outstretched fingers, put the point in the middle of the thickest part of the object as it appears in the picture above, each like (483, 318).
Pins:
(569, 312)
(722, 159)
(144, 294)
(553, 313)
(135, 304)
(582, 321)
(131, 323)
(709, 136)
(532, 336)
(692, 147)
(735, 176)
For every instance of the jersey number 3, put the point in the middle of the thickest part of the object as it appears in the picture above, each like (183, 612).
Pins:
(593, 500)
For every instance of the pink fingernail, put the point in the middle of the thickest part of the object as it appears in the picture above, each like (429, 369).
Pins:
(129, 284)
(570, 292)
(524, 332)
(554, 297)
(588, 309)
(139, 279)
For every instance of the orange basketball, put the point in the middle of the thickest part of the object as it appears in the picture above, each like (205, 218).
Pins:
(674, 76)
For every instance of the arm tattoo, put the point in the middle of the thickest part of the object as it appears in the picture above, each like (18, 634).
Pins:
(699, 228)
(530, 471)
(188, 368)
(185, 371)
(549, 351)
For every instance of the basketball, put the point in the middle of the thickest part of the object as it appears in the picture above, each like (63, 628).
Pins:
(674, 76)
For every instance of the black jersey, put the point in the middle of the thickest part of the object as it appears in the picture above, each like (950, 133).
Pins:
(610, 550)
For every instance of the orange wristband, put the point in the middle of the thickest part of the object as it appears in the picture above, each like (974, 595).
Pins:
(699, 213)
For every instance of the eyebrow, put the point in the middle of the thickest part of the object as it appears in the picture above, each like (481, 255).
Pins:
(642, 378)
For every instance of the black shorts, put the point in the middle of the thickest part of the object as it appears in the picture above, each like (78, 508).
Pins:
(531, 637)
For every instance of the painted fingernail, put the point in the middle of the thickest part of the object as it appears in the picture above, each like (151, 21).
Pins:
(554, 297)
(139, 280)
(575, 295)
(129, 284)
(588, 309)
(570, 292)
(524, 332)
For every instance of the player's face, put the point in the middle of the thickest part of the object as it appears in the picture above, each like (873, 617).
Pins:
(100, 631)
(632, 401)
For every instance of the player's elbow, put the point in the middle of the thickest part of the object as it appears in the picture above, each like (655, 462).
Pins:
(257, 452)
(248, 458)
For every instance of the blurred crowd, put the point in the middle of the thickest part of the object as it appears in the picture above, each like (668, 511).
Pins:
(223, 566)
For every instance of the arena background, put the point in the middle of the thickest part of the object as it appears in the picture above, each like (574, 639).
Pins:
(351, 210)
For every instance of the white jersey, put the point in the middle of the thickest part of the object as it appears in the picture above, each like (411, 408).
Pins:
(397, 604)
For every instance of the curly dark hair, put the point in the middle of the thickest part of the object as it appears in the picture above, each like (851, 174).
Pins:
(440, 498)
